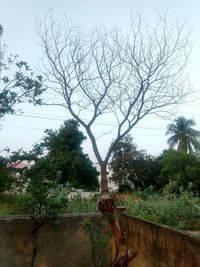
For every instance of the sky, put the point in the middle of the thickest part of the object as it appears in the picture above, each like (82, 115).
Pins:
(19, 19)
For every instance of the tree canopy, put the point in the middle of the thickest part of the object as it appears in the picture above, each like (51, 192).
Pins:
(6, 177)
(131, 167)
(59, 157)
(183, 135)
(179, 169)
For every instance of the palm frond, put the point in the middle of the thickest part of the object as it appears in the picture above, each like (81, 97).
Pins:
(183, 135)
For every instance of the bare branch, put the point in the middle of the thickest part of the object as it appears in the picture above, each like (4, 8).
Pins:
(106, 73)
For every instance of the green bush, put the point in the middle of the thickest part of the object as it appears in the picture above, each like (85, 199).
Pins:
(8, 204)
(6, 178)
(99, 240)
(179, 211)
(26, 203)
(77, 204)
(125, 188)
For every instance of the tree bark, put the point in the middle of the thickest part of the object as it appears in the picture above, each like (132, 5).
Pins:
(124, 255)
(35, 237)
(104, 180)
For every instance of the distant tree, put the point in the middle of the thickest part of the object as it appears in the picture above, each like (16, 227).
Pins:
(61, 158)
(132, 167)
(6, 177)
(17, 81)
(183, 135)
(180, 169)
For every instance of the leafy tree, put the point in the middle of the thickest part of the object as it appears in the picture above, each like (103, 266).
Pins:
(122, 157)
(183, 135)
(64, 159)
(132, 167)
(17, 81)
(101, 73)
(6, 177)
(180, 169)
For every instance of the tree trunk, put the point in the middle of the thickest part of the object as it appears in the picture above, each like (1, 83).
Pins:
(107, 206)
(104, 180)
(35, 236)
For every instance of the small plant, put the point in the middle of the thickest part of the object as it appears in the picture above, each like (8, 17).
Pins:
(99, 243)
(43, 201)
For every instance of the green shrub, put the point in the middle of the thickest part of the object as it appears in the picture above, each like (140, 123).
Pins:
(125, 188)
(77, 204)
(8, 204)
(26, 203)
(99, 240)
(178, 211)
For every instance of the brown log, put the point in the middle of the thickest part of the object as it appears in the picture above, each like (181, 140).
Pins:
(108, 208)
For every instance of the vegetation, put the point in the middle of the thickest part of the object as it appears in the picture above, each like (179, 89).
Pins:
(43, 202)
(96, 74)
(168, 190)
(17, 82)
(132, 169)
(176, 210)
(65, 159)
(6, 178)
(78, 204)
(179, 170)
(183, 135)
(14, 204)
(99, 243)
(59, 157)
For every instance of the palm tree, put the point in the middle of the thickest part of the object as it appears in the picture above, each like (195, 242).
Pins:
(184, 135)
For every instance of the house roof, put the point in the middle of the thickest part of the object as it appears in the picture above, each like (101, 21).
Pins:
(19, 165)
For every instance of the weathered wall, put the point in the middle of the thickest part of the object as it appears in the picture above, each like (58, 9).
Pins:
(65, 244)
(160, 246)
(62, 244)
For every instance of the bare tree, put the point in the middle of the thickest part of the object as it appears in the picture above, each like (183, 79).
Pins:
(100, 73)
(105, 74)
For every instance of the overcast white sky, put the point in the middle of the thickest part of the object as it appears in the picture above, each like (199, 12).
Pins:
(18, 19)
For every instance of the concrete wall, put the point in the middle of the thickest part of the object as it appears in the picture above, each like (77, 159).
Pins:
(160, 246)
(62, 243)
(65, 244)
